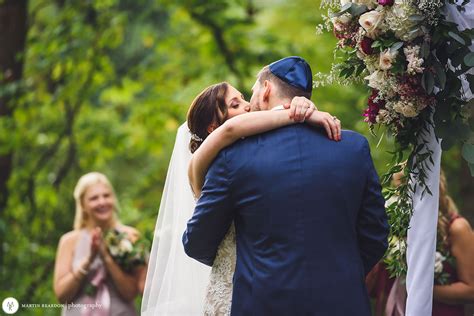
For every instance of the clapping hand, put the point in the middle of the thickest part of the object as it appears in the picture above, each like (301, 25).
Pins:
(96, 243)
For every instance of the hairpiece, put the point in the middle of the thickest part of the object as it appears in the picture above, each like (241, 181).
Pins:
(196, 138)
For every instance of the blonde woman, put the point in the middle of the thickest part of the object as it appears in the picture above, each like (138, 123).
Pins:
(85, 273)
(454, 272)
(456, 247)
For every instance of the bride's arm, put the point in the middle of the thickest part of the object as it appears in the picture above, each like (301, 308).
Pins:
(243, 126)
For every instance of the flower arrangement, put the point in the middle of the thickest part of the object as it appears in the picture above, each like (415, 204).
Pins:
(127, 254)
(413, 61)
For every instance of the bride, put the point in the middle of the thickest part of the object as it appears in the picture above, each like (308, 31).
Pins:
(177, 284)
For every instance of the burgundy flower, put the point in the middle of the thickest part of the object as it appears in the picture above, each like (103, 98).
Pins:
(374, 107)
(366, 45)
(410, 86)
(346, 33)
(386, 2)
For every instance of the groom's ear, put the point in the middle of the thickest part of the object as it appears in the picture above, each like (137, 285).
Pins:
(267, 88)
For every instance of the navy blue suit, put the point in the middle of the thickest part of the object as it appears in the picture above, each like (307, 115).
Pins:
(309, 217)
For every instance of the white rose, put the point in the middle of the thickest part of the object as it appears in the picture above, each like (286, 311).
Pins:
(405, 108)
(375, 79)
(125, 246)
(386, 59)
(370, 22)
(344, 2)
(439, 258)
(113, 251)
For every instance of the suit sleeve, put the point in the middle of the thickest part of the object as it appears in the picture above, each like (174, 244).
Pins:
(372, 224)
(212, 216)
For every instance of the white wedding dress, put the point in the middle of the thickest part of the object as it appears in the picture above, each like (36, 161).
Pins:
(219, 291)
(176, 284)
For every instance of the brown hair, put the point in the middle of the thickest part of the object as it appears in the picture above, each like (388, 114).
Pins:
(285, 90)
(447, 209)
(207, 108)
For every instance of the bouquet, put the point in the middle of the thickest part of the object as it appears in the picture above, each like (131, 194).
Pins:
(414, 62)
(127, 254)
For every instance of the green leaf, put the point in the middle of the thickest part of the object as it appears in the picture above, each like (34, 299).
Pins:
(396, 47)
(344, 9)
(440, 75)
(425, 50)
(456, 37)
(376, 44)
(469, 59)
(468, 152)
(416, 18)
(428, 82)
(357, 10)
(471, 168)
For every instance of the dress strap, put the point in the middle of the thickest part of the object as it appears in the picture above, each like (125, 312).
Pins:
(453, 218)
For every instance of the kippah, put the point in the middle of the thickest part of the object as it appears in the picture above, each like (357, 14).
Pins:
(295, 71)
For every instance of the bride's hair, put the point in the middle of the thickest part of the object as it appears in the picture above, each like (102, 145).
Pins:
(208, 108)
(85, 182)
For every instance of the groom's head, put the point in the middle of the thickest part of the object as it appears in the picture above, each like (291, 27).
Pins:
(280, 81)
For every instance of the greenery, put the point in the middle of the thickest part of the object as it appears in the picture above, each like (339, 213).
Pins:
(412, 58)
(103, 85)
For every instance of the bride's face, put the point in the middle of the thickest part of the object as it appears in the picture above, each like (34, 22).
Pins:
(236, 103)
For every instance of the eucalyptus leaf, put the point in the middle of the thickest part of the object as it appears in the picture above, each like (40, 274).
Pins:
(345, 8)
(471, 168)
(416, 18)
(468, 152)
(456, 37)
(357, 10)
(440, 75)
(396, 47)
(469, 59)
(427, 82)
(425, 50)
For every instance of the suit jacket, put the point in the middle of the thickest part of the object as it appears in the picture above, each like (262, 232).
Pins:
(309, 217)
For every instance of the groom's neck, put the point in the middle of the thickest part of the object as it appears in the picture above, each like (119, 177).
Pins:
(277, 101)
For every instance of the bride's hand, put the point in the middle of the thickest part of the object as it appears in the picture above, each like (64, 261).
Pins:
(331, 124)
(300, 108)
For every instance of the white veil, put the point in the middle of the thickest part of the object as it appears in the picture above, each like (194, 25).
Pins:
(175, 283)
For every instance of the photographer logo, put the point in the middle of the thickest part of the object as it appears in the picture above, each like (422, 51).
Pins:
(10, 305)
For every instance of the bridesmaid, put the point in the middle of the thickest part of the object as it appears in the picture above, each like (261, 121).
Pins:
(85, 275)
(457, 244)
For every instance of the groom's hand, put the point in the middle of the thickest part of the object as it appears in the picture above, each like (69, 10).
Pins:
(300, 108)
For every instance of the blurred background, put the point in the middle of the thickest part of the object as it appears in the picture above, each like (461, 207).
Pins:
(102, 85)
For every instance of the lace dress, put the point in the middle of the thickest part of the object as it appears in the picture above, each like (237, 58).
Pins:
(219, 291)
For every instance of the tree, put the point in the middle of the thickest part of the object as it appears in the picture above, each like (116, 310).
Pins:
(13, 31)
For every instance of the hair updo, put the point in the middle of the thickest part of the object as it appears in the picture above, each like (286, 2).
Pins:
(208, 108)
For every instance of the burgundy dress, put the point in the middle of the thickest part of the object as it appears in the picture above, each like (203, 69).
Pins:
(442, 309)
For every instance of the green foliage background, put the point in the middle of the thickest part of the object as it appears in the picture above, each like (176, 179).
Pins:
(106, 83)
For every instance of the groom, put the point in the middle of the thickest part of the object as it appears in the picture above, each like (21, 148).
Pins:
(309, 215)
